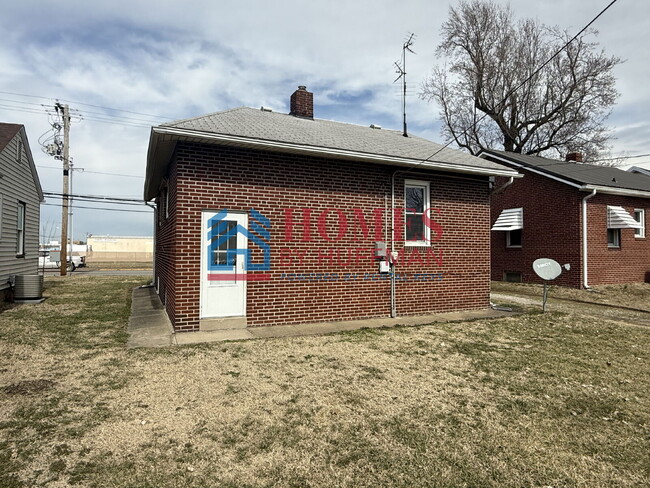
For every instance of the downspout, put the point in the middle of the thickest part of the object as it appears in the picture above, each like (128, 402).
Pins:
(153, 258)
(393, 298)
(585, 273)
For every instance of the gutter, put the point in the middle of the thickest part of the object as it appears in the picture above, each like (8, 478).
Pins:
(585, 272)
(616, 191)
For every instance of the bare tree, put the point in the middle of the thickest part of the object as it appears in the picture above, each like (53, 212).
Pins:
(493, 94)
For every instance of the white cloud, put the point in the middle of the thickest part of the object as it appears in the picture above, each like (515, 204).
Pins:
(181, 59)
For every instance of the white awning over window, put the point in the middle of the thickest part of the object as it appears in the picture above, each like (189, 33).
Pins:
(619, 218)
(510, 219)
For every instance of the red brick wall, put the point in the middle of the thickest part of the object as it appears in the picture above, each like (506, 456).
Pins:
(166, 245)
(209, 177)
(631, 261)
(551, 228)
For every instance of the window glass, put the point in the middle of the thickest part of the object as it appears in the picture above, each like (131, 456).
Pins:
(613, 237)
(416, 199)
(224, 252)
(639, 216)
(513, 238)
(20, 230)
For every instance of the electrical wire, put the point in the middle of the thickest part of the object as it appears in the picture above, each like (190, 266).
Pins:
(94, 172)
(99, 208)
(86, 104)
(97, 197)
(534, 73)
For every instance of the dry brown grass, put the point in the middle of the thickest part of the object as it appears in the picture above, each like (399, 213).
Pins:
(535, 400)
(633, 295)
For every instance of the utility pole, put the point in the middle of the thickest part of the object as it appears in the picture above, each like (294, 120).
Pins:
(66, 172)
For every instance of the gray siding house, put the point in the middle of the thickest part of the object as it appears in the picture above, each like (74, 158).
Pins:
(20, 205)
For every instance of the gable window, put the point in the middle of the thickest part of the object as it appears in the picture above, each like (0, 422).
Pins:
(20, 230)
(19, 151)
(416, 197)
(613, 238)
(639, 216)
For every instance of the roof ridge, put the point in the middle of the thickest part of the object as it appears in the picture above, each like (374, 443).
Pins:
(199, 117)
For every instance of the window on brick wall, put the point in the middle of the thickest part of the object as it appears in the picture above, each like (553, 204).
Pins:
(513, 238)
(639, 216)
(416, 197)
(613, 238)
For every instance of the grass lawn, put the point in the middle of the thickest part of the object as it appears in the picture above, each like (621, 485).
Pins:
(553, 400)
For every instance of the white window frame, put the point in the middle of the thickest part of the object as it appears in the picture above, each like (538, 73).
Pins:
(425, 207)
(514, 246)
(20, 229)
(166, 202)
(617, 241)
(640, 233)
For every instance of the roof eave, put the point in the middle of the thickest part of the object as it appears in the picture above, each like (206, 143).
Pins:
(278, 146)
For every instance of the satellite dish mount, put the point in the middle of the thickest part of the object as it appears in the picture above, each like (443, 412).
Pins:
(547, 270)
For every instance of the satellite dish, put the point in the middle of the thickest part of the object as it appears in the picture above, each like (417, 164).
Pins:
(547, 269)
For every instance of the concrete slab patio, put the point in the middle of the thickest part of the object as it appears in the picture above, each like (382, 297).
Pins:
(149, 325)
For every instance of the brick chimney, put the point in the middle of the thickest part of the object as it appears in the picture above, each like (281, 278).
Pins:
(302, 103)
(576, 157)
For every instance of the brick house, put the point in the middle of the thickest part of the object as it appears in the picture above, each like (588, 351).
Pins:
(266, 218)
(594, 218)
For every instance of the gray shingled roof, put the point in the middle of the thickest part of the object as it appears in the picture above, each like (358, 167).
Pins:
(272, 126)
(579, 173)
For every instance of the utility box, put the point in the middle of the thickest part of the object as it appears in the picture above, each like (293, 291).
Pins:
(384, 267)
(380, 250)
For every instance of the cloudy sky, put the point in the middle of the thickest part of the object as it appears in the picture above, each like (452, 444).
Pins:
(124, 66)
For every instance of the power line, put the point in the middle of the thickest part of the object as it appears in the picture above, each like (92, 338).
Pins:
(99, 208)
(97, 197)
(530, 77)
(86, 104)
(95, 172)
(620, 157)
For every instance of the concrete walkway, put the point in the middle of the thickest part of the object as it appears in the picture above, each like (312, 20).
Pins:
(149, 325)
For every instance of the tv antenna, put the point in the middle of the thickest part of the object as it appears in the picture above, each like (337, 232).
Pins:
(401, 71)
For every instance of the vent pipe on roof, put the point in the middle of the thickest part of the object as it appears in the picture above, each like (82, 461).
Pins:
(302, 103)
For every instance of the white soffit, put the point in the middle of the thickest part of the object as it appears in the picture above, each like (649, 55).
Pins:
(510, 219)
(619, 218)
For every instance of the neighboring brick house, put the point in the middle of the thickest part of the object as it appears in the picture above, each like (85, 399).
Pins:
(20, 205)
(266, 218)
(572, 213)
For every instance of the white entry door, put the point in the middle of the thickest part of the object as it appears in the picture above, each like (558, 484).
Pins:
(224, 246)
